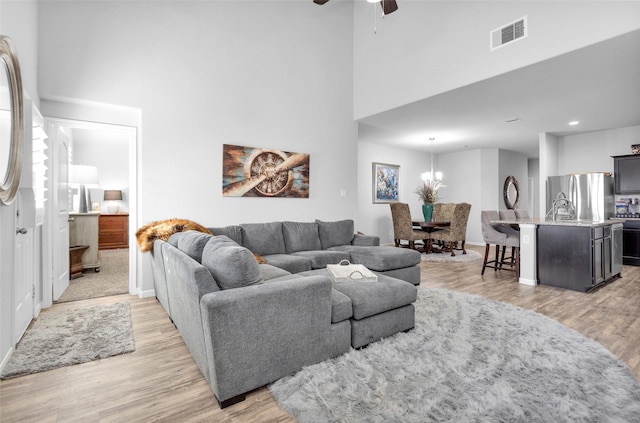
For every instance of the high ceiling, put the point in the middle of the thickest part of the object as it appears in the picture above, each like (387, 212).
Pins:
(598, 85)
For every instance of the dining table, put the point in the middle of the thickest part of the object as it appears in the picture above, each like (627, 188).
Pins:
(429, 228)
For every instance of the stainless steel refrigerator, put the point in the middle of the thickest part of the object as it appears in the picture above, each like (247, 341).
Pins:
(583, 196)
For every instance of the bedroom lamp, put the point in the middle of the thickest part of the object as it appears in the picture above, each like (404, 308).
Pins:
(83, 177)
(111, 197)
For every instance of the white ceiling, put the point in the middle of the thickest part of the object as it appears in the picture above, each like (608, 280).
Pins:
(598, 85)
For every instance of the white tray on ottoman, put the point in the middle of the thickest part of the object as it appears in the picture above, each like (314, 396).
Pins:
(346, 272)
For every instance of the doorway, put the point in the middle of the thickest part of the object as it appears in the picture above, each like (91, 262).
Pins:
(111, 150)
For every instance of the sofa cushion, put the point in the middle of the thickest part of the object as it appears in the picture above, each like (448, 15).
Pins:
(300, 236)
(192, 243)
(269, 272)
(320, 258)
(381, 258)
(340, 303)
(289, 262)
(335, 233)
(366, 240)
(234, 232)
(231, 265)
(341, 308)
(263, 238)
(173, 239)
(287, 277)
(371, 298)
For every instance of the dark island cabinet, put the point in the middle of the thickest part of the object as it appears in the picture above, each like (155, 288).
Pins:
(631, 246)
(576, 257)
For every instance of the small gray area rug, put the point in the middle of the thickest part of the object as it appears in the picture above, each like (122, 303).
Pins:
(60, 338)
(468, 359)
(447, 258)
(112, 279)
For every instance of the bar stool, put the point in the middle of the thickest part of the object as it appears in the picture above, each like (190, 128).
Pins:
(509, 229)
(501, 237)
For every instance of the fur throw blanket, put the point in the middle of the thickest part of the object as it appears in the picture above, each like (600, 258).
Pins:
(163, 229)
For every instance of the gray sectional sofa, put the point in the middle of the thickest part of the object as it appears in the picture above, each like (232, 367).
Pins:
(248, 324)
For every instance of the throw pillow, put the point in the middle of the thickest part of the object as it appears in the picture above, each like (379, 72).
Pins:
(235, 234)
(336, 233)
(192, 243)
(231, 265)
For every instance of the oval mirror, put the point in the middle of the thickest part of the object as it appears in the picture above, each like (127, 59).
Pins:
(511, 192)
(11, 122)
(5, 122)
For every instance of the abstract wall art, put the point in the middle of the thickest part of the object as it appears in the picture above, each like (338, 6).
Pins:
(261, 172)
(385, 183)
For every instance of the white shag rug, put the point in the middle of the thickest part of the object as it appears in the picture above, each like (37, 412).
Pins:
(468, 359)
(64, 337)
(447, 258)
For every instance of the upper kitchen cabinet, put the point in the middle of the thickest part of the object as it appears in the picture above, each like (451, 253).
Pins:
(627, 174)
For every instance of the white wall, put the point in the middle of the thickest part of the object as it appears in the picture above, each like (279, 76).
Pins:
(591, 152)
(430, 47)
(18, 20)
(477, 177)
(548, 166)
(516, 165)
(208, 73)
(375, 219)
(534, 178)
(466, 181)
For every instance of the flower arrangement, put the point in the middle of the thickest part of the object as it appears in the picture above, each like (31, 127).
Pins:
(428, 191)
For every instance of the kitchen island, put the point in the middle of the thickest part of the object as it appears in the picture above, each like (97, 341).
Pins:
(572, 254)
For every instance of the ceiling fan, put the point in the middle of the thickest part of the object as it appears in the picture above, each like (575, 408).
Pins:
(388, 6)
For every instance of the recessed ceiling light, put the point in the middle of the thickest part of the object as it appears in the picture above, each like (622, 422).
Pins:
(574, 123)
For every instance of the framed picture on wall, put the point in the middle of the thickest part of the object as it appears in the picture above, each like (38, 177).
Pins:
(386, 186)
(261, 172)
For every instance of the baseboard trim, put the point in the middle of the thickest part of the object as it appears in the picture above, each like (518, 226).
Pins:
(6, 358)
(530, 282)
(147, 293)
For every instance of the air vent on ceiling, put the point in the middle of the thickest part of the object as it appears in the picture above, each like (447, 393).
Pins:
(508, 33)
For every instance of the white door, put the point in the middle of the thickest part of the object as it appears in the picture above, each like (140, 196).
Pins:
(24, 274)
(60, 207)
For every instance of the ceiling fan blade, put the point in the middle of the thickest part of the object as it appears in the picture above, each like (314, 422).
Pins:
(320, 1)
(388, 6)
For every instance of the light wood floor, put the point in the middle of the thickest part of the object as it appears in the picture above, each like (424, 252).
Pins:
(160, 382)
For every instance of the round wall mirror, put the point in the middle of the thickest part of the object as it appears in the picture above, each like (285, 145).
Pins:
(511, 192)
(11, 122)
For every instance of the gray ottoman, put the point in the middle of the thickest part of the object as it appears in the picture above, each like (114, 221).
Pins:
(380, 309)
(398, 263)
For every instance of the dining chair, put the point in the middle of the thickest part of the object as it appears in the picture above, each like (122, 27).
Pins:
(443, 211)
(521, 214)
(403, 226)
(457, 231)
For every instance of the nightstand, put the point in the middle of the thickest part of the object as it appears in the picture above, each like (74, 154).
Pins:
(114, 231)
